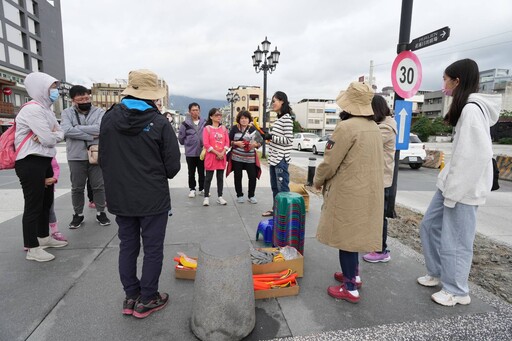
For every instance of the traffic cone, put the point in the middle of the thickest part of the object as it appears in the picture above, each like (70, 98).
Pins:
(442, 161)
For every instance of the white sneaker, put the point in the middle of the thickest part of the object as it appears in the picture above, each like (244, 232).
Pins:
(221, 201)
(253, 200)
(50, 242)
(428, 281)
(206, 201)
(39, 255)
(201, 192)
(445, 298)
(240, 200)
(192, 194)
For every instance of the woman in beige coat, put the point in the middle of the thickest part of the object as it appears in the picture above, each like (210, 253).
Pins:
(352, 179)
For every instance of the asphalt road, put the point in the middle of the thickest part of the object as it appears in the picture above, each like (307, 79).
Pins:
(423, 179)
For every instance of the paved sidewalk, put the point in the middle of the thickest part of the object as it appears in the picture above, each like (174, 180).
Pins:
(78, 296)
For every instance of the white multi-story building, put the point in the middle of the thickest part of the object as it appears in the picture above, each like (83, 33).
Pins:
(318, 116)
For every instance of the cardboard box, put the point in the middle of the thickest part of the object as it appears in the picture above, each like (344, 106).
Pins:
(279, 292)
(296, 265)
(300, 189)
(185, 273)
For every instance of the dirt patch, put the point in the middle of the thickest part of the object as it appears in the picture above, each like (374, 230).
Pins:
(492, 262)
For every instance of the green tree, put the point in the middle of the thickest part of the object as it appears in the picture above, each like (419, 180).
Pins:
(297, 128)
(439, 127)
(423, 128)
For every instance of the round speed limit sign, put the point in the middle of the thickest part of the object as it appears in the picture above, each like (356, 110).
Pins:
(406, 74)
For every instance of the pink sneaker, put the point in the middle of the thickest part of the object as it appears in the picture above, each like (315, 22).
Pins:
(59, 236)
(92, 204)
(376, 257)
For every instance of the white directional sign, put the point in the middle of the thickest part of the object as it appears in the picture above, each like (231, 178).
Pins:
(403, 115)
(406, 74)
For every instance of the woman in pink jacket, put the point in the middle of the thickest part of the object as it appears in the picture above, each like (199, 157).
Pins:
(216, 143)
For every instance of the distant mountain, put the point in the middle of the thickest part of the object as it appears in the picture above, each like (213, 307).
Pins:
(180, 103)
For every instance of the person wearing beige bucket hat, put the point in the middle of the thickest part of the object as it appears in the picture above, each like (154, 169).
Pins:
(139, 152)
(356, 100)
(143, 84)
(352, 179)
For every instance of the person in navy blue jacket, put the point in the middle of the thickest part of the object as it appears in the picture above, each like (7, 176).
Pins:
(138, 153)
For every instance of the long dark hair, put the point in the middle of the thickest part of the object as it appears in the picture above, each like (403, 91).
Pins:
(212, 112)
(285, 108)
(466, 70)
(380, 108)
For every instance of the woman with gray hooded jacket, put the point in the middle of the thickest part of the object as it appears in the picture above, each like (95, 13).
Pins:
(33, 163)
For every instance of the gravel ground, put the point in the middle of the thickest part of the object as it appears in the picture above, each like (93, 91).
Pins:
(492, 262)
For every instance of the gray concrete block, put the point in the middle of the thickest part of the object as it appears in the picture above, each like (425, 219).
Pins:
(223, 307)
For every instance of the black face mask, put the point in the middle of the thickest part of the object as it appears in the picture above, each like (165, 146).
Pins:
(84, 106)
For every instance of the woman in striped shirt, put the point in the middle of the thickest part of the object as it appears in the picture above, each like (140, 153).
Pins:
(245, 139)
(279, 146)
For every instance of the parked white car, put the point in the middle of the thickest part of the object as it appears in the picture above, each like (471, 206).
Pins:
(319, 146)
(304, 141)
(415, 155)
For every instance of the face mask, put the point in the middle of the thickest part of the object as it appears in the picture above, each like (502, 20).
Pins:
(54, 94)
(447, 92)
(84, 106)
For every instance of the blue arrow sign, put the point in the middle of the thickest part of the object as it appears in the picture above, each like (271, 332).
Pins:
(403, 115)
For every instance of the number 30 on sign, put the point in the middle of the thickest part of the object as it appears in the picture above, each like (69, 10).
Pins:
(406, 74)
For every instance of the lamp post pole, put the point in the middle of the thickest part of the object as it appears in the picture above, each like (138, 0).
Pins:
(261, 62)
(232, 98)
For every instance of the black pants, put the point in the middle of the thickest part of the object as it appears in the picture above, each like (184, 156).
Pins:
(194, 162)
(90, 195)
(238, 168)
(387, 192)
(32, 170)
(208, 182)
(152, 230)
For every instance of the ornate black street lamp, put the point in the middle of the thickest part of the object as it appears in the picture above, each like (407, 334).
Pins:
(232, 97)
(269, 65)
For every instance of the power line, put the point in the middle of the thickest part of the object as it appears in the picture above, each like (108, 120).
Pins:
(444, 54)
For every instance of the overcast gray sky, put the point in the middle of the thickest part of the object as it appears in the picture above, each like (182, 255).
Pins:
(203, 47)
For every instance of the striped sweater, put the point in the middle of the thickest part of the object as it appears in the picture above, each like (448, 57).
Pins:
(281, 144)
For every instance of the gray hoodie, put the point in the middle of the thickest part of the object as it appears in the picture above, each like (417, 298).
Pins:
(38, 118)
(79, 136)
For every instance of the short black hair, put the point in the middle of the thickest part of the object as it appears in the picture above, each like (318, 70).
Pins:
(193, 104)
(78, 90)
(243, 113)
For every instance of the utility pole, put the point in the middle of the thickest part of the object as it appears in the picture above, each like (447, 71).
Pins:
(404, 37)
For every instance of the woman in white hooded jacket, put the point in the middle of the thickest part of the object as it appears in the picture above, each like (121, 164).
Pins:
(449, 225)
(33, 163)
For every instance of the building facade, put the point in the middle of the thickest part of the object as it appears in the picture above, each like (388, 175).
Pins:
(104, 95)
(318, 116)
(30, 40)
(251, 99)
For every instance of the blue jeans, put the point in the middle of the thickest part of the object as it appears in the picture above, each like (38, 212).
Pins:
(447, 236)
(279, 178)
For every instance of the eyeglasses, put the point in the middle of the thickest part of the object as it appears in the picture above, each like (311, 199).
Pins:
(217, 114)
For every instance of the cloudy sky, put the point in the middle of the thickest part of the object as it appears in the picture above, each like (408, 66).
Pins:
(202, 48)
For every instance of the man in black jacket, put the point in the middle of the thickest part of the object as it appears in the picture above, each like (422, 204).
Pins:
(138, 153)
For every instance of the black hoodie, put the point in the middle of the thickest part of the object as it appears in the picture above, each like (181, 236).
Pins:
(138, 153)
